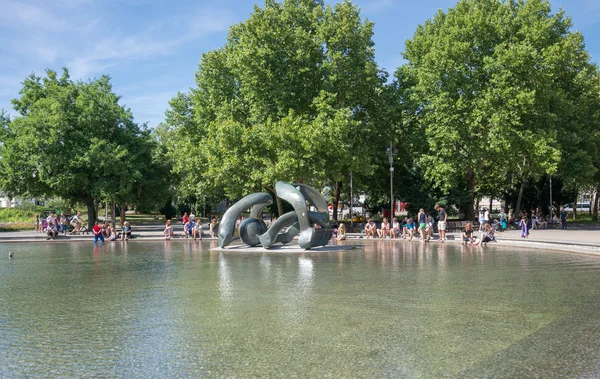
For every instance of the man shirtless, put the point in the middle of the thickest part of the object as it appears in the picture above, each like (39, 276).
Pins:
(370, 229)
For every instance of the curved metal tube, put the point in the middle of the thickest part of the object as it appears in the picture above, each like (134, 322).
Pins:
(250, 229)
(273, 234)
(289, 193)
(256, 210)
(313, 196)
(227, 224)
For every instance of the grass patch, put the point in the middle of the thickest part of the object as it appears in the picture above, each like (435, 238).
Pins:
(17, 226)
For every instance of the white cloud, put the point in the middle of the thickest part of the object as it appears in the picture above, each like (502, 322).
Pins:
(156, 40)
(89, 37)
(111, 51)
(17, 15)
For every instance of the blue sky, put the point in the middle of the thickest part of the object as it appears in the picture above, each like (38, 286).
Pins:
(151, 48)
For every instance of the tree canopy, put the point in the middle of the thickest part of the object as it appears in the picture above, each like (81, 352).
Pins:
(500, 89)
(494, 96)
(293, 95)
(74, 140)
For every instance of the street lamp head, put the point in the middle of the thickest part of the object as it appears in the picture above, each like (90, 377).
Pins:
(388, 150)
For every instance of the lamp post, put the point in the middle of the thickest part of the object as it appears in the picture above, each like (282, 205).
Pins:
(351, 205)
(391, 153)
(551, 205)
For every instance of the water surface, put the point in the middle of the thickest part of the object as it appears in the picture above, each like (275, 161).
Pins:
(385, 309)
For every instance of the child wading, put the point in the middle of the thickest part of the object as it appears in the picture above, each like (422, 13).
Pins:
(97, 232)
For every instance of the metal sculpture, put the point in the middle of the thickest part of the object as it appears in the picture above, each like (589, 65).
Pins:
(227, 225)
(312, 227)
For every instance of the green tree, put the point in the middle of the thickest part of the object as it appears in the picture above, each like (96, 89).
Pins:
(295, 94)
(494, 86)
(73, 140)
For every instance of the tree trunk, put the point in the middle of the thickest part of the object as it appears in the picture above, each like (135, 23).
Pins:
(595, 206)
(91, 206)
(123, 217)
(112, 214)
(336, 199)
(491, 202)
(517, 210)
(279, 205)
(277, 200)
(575, 206)
(469, 211)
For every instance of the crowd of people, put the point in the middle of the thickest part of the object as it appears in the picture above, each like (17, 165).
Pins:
(104, 230)
(54, 225)
(192, 227)
(423, 224)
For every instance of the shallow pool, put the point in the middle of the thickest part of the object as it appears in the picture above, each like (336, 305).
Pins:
(384, 309)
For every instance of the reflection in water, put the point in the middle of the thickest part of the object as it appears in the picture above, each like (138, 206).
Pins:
(384, 309)
(305, 274)
(225, 282)
(265, 265)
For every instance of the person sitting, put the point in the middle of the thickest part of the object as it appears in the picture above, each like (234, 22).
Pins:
(395, 230)
(197, 230)
(410, 229)
(168, 230)
(467, 235)
(107, 230)
(126, 233)
(341, 232)
(110, 233)
(486, 236)
(188, 227)
(51, 231)
(212, 227)
(404, 227)
(385, 229)
(370, 228)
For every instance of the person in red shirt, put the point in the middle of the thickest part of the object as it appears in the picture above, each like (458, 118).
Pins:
(97, 232)
(185, 221)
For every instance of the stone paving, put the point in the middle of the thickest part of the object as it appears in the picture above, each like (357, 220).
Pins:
(577, 238)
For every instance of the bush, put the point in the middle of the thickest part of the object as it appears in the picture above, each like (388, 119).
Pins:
(183, 208)
(16, 215)
(168, 210)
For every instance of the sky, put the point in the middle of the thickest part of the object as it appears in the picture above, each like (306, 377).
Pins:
(151, 48)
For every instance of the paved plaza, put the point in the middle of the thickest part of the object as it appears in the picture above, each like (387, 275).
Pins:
(577, 238)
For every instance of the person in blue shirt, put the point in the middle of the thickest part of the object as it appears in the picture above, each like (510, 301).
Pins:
(189, 226)
(563, 219)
